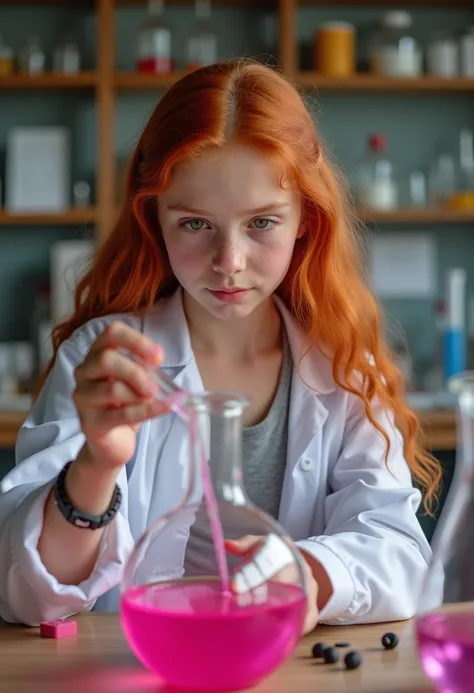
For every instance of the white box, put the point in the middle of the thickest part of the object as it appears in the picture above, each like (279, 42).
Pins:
(403, 265)
(38, 170)
(69, 262)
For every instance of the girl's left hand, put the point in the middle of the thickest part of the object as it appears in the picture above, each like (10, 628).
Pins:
(251, 545)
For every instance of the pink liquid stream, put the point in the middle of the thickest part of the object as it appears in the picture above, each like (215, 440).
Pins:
(446, 646)
(197, 639)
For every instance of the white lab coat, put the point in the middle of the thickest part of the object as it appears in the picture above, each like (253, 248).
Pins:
(339, 501)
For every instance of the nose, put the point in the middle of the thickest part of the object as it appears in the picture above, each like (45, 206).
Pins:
(229, 258)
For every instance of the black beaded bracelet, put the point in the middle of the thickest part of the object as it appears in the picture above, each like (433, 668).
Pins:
(77, 517)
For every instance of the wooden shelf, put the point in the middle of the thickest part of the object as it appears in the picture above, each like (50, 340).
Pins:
(74, 216)
(139, 81)
(439, 428)
(418, 216)
(10, 423)
(367, 82)
(83, 80)
(393, 4)
(228, 3)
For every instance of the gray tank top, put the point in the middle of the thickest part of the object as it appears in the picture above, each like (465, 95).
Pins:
(265, 446)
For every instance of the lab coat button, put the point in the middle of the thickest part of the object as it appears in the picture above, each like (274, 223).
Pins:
(305, 464)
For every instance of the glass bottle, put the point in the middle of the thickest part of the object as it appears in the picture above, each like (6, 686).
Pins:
(442, 180)
(32, 57)
(67, 58)
(235, 608)
(377, 188)
(394, 51)
(202, 43)
(154, 41)
(445, 622)
(463, 198)
(6, 59)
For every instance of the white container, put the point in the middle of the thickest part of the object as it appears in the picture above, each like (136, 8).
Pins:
(38, 170)
(395, 52)
(442, 58)
(467, 53)
(380, 195)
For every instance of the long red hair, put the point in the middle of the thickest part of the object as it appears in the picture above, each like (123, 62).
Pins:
(324, 289)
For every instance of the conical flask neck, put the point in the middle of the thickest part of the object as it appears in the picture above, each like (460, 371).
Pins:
(215, 430)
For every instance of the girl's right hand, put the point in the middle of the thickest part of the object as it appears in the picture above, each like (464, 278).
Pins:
(114, 394)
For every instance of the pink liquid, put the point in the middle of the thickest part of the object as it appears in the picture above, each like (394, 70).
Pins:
(198, 639)
(446, 645)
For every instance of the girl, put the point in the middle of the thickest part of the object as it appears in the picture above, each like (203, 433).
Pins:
(234, 266)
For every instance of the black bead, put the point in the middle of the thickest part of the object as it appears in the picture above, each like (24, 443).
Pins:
(331, 655)
(390, 641)
(318, 649)
(352, 660)
(342, 644)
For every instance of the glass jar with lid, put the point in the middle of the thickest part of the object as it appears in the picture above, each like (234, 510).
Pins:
(394, 51)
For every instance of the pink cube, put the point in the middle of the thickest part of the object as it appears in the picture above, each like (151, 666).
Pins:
(58, 628)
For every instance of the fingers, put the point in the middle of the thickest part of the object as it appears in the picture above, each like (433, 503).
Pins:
(110, 364)
(118, 335)
(107, 361)
(264, 559)
(127, 415)
(105, 394)
(239, 547)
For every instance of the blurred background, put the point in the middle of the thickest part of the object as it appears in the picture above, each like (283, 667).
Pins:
(391, 87)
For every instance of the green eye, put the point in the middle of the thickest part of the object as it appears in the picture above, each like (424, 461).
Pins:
(195, 224)
(262, 224)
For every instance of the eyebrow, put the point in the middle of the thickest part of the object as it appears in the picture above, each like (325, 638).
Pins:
(259, 210)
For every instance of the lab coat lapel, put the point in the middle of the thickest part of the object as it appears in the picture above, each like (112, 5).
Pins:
(312, 376)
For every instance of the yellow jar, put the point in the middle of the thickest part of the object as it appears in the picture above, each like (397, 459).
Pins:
(335, 49)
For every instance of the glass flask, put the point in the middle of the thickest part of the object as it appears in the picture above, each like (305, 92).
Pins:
(376, 183)
(202, 43)
(445, 620)
(154, 41)
(214, 594)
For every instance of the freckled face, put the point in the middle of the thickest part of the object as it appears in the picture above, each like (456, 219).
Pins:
(229, 229)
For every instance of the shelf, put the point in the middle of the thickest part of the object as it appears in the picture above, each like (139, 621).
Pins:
(418, 216)
(439, 429)
(368, 82)
(10, 423)
(228, 3)
(48, 81)
(74, 216)
(392, 4)
(139, 81)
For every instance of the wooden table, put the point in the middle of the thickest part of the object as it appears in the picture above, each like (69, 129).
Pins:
(439, 428)
(99, 661)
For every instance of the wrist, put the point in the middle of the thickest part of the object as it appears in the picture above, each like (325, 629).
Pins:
(325, 587)
(90, 486)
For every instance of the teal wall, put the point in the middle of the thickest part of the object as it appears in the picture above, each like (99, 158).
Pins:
(417, 127)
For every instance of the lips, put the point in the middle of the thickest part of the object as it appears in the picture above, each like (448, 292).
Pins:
(229, 295)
